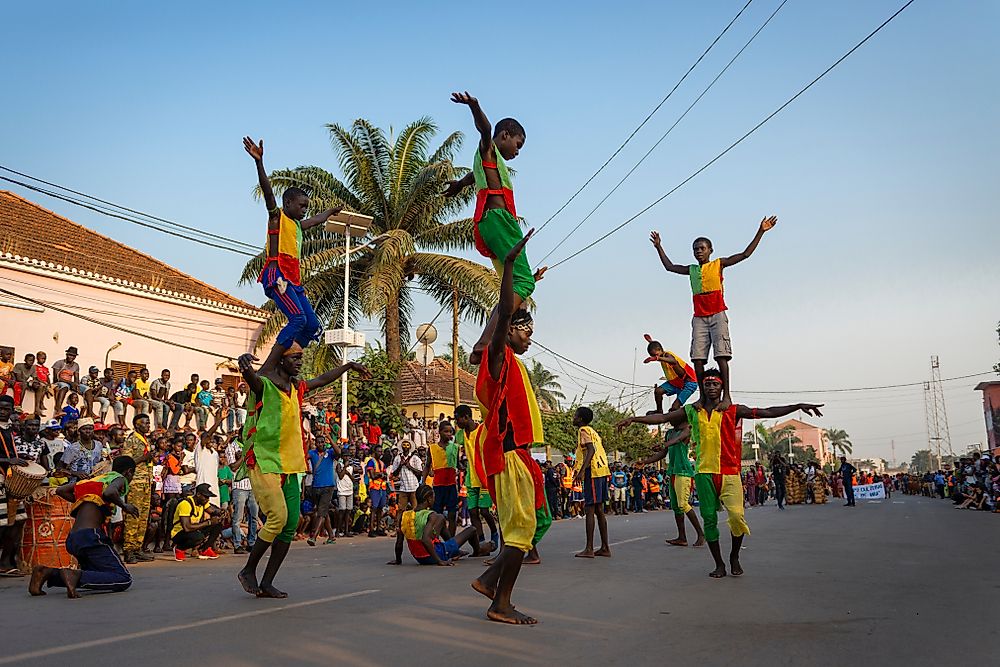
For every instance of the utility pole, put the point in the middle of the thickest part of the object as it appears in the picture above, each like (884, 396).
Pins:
(938, 435)
(454, 346)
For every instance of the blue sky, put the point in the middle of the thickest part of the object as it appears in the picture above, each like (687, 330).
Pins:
(885, 251)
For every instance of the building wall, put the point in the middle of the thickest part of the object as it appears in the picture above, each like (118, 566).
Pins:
(810, 436)
(29, 328)
(991, 412)
(431, 409)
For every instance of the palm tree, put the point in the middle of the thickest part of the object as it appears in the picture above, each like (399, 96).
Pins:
(463, 359)
(546, 385)
(839, 441)
(399, 183)
(771, 440)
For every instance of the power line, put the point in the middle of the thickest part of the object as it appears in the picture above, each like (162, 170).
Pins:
(646, 119)
(110, 214)
(665, 134)
(740, 140)
(129, 210)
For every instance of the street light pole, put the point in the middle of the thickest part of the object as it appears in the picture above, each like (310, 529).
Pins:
(347, 326)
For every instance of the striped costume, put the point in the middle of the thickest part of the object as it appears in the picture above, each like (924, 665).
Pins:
(718, 453)
(274, 456)
(706, 288)
(282, 281)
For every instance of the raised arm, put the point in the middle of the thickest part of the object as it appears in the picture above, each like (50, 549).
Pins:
(482, 122)
(210, 433)
(812, 409)
(331, 375)
(505, 308)
(654, 238)
(250, 376)
(765, 224)
(454, 187)
(320, 218)
(256, 151)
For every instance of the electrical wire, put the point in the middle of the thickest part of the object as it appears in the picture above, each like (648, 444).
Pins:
(738, 141)
(665, 134)
(648, 117)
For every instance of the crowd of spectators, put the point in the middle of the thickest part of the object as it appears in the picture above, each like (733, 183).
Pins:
(971, 482)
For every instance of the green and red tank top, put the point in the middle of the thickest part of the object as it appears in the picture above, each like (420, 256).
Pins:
(706, 286)
(412, 524)
(92, 491)
(272, 434)
(717, 448)
(483, 191)
(510, 410)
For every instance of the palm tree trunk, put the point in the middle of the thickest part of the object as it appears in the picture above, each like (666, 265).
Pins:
(392, 334)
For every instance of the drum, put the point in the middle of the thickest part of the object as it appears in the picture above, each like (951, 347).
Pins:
(23, 480)
(45, 531)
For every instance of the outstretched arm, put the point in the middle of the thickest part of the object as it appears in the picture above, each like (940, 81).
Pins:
(320, 218)
(662, 450)
(743, 412)
(505, 308)
(256, 151)
(676, 417)
(250, 376)
(654, 238)
(113, 494)
(765, 224)
(331, 375)
(482, 122)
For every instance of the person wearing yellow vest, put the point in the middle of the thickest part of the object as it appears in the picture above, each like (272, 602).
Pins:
(710, 324)
(378, 490)
(592, 468)
(513, 427)
(471, 435)
(718, 452)
(496, 226)
(281, 276)
(274, 456)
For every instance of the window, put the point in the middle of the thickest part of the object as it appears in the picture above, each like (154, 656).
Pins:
(231, 381)
(121, 368)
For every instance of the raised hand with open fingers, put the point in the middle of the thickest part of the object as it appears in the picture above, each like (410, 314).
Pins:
(811, 409)
(463, 98)
(768, 222)
(245, 361)
(654, 238)
(256, 151)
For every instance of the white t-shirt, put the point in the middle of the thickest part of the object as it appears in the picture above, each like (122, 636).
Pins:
(345, 485)
(188, 461)
(206, 463)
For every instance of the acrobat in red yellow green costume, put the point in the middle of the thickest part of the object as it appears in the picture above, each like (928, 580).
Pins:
(513, 426)
(274, 456)
(717, 479)
(497, 230)
(681, 471)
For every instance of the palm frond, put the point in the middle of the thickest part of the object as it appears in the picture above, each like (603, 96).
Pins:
(410, 151)
(478, 287)
(448, 148)
(457, 235)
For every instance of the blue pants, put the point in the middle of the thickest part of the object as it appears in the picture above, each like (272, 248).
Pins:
(303, 325)
(102, 569)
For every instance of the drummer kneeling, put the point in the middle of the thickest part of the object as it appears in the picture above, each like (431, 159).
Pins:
(93, 501)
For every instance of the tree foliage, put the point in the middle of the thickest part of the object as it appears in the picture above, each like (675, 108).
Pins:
(635, 441)
(546, 386)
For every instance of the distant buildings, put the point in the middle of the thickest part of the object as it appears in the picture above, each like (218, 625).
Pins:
(810, 436)
(991, 411)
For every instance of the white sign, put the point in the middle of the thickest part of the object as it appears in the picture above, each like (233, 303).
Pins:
(869, 491)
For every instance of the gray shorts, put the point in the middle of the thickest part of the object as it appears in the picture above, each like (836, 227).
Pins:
(710, 332)
(345, 502)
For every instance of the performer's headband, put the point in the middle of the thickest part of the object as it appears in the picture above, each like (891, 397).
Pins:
(522, 321)
(294, 349)
(713, 378)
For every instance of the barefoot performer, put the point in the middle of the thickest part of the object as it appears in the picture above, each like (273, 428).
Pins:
(675, 448)
(710, 324)
(718, 452)
(497, 228)
(513, 426)
(427, 537)
(592, 468)
(274, 455)
(281, 277)
(93, 501)
(681, 380)
(471, 436)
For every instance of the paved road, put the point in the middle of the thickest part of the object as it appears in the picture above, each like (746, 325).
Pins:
(825, 585)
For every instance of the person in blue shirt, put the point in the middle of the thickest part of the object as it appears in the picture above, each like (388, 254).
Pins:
(203, 402)
(69, 412)
(619, 481)
(321, 462)
(939, 483)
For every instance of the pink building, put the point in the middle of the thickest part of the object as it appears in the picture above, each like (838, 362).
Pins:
(991, 410)
(810, 436)
(62, 284)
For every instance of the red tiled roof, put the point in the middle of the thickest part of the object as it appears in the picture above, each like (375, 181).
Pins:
(416, 387)
(28, 230)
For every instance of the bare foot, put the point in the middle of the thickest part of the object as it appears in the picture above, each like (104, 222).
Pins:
(586, 553)
(718, 573)
(511, 616)
(71, 578)
(483, 589)
(532, 561)
(271, 592)
(248, 580)
(490, 561)
(38, 576)
(604, 552)
(700, 542)
(678, 542)
(735, 568)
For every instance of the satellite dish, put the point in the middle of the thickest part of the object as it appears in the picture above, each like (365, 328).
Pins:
(425, 354)
(427, 334)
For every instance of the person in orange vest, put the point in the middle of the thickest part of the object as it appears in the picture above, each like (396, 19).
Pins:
(567, 486)
(378, 490)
